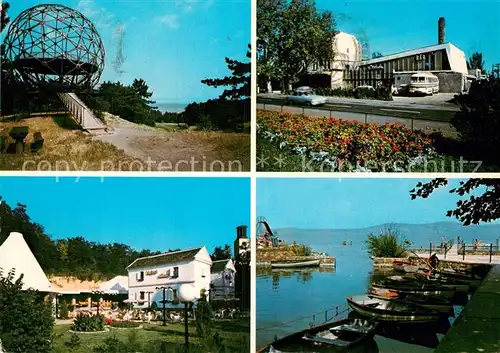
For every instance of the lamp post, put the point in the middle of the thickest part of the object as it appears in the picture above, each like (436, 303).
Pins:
(98, 293)
(187, 295)
(164, 301)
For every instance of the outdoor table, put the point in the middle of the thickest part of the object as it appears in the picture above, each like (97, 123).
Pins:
(19, 134)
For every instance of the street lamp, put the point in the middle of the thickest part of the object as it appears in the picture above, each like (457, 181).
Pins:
(187, 295)
(164, 301)
(98, 293)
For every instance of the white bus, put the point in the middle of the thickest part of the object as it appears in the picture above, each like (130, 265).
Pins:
(424, 82)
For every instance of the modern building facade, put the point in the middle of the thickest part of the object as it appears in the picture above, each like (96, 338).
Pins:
(149, 277)
(444, 60)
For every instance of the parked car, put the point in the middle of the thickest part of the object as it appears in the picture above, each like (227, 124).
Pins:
(305, 95)
(401, 90)
(368, 87)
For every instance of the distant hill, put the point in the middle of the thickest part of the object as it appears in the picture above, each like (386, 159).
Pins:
(420, 234)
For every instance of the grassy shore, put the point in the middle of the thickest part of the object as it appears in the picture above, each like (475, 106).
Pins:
(235, 337)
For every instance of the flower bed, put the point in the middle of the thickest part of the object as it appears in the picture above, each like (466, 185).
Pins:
(344, 145)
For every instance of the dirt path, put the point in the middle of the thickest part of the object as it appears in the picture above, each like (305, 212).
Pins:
(182, 150)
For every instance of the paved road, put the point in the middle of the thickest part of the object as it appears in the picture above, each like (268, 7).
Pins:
(427, 126)
(384, 108)
(437, 102)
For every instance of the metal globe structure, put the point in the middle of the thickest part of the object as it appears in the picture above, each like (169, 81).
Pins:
(54, 46)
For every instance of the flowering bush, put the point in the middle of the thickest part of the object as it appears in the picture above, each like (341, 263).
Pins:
(108, 321)
(337, 141)
(88, 323)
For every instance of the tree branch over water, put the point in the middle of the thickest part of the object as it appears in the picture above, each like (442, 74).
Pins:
(470, 209)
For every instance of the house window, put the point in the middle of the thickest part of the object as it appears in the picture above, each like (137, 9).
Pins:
(141, 296)
(140, 276)
(176, 272)
(203, 272)
(347, 50)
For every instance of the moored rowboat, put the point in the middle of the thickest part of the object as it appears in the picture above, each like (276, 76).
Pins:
(385, 310)
(334, 336)
(311, 263)
(442, 293)
(444, 306)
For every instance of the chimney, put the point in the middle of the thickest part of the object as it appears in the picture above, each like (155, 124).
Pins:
(441, 28)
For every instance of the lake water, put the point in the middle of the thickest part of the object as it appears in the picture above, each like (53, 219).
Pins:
(286, 300)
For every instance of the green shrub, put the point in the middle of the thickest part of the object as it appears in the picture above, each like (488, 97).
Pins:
(64, 309)
(479, 119)
(125, 324)
(387, 244)
(86, 323)
(74, 341)
(204, 322)
(25, 319)
(301, 250)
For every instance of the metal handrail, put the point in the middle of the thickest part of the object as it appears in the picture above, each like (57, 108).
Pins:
(74, 106)
(336, 311)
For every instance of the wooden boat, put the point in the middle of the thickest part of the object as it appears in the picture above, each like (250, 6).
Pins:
(385, 310)
(311, 263)
(473, 280)
(426, 283)
(406, 267)
(444, 306)
(429, 292)
(334, 336)
(472, 283)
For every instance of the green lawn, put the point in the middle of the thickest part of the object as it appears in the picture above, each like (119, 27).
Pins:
(235, 337)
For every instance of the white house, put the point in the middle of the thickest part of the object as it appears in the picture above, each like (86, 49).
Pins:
(147, 276)
(222, 280)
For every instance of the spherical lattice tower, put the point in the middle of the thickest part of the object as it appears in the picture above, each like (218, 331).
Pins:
(54, 46)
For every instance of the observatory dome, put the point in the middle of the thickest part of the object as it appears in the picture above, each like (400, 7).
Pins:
(347, 47)
(54, 45)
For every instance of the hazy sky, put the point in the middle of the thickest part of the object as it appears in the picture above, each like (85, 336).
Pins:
(393, 26)
(172, 44)
(151, 213)
(348, 203)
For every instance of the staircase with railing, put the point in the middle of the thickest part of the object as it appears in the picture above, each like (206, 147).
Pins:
(82, 114)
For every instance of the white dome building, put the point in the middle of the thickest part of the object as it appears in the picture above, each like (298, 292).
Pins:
(347, 55)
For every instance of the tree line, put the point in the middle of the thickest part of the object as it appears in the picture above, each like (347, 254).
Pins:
(75, 256)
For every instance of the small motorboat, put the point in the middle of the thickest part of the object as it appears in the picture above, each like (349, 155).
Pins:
(385, 310)
(295, 264)
(444, 306)
(334, 336)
